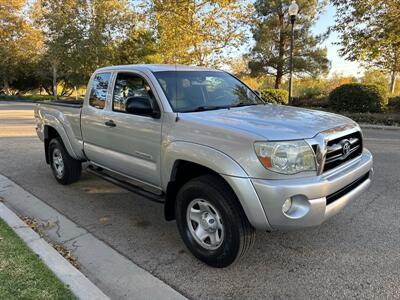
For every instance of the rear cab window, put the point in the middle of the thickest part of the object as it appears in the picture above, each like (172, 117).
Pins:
(98, 91)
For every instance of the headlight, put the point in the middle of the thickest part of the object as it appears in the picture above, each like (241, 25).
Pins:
(286, 157)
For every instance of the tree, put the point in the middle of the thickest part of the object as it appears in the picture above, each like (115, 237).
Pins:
(271, 32)
(82, 36)
(62, 24)
(108, 23)
(369, 33)
(199, 32)
(376, 77)
(20, 43)
(140, 46)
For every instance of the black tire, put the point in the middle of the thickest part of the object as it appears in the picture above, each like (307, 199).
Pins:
(239, 235)
(72, 168)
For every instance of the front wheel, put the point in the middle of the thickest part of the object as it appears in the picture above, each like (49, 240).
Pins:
(66, 169)
(211, 221)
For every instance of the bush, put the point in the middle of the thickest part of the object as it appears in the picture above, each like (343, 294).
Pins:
(310, 102)
(275, 96)
(394, 103)
(356, 97)
(312, 92)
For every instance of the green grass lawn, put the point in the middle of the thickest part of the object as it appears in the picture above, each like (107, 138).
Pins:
(22, 274)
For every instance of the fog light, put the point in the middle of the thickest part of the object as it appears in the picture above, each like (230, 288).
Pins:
(287, 205)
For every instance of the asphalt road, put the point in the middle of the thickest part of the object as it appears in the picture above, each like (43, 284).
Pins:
(354, 254)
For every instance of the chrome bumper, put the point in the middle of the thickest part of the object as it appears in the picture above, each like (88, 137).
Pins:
(309, 195)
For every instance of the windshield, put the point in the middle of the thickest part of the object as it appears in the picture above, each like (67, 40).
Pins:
(189, 91)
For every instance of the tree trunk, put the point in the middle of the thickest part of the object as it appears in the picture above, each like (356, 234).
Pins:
(278, 78)
(54, 66)
(6, 86)
(280, 66)
(393, 82)
(393, 75)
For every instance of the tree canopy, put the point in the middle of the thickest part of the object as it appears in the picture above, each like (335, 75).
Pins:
(369, 32)
(56, 45)
(271, 32)
(19, 44)
(67, 40)
(198, 31)
(80, 36)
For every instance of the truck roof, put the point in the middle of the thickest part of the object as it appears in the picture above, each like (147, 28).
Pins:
(156, 68)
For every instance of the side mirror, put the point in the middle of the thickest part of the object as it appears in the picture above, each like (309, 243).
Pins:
(257, 93)
(141, 106)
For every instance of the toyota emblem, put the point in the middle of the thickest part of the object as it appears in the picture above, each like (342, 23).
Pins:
(346, 146)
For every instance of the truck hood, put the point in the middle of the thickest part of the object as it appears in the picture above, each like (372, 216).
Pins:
(273, 122)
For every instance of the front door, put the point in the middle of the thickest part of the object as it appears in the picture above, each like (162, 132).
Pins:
(133, 139)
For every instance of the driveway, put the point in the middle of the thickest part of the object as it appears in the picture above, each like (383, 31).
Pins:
(354, 254)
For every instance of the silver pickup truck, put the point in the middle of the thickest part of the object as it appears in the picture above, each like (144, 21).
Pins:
(221, 160)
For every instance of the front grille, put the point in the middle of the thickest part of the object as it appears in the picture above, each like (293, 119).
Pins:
(348, 188)
(343, 149)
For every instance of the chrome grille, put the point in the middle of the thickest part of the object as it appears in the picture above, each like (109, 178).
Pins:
(343, 149)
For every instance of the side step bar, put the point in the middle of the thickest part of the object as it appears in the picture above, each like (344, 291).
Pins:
(126, 185)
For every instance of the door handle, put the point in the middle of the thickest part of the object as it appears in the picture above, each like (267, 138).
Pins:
(110, 123)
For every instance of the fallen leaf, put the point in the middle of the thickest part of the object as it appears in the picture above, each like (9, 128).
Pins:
(32, 223)
(104, 220)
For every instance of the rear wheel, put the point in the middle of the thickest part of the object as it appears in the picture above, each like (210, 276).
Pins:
(211, 221)
(66, 169)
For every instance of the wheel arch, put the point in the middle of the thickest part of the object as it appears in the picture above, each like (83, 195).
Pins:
(184, 161)
(50, 132)
(202, 155)
(182, 172)
(193, 160)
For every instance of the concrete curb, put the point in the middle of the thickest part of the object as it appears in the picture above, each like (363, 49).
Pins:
(380, 127)
(112, 272)
(82, 287)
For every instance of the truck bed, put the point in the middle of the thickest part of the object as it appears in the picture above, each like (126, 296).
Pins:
(66, 103)
(64, 116)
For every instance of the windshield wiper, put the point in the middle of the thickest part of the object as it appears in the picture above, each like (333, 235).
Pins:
(215, 107)
(206, 107)
(244, 104)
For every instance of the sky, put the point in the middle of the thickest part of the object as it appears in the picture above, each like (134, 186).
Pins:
(339, 64)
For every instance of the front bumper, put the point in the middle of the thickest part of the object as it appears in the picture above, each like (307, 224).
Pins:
(309, 195)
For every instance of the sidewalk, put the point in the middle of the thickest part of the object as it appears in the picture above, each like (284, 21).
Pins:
(113, 273)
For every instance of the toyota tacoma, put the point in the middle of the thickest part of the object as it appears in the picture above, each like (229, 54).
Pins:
(223, 162)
